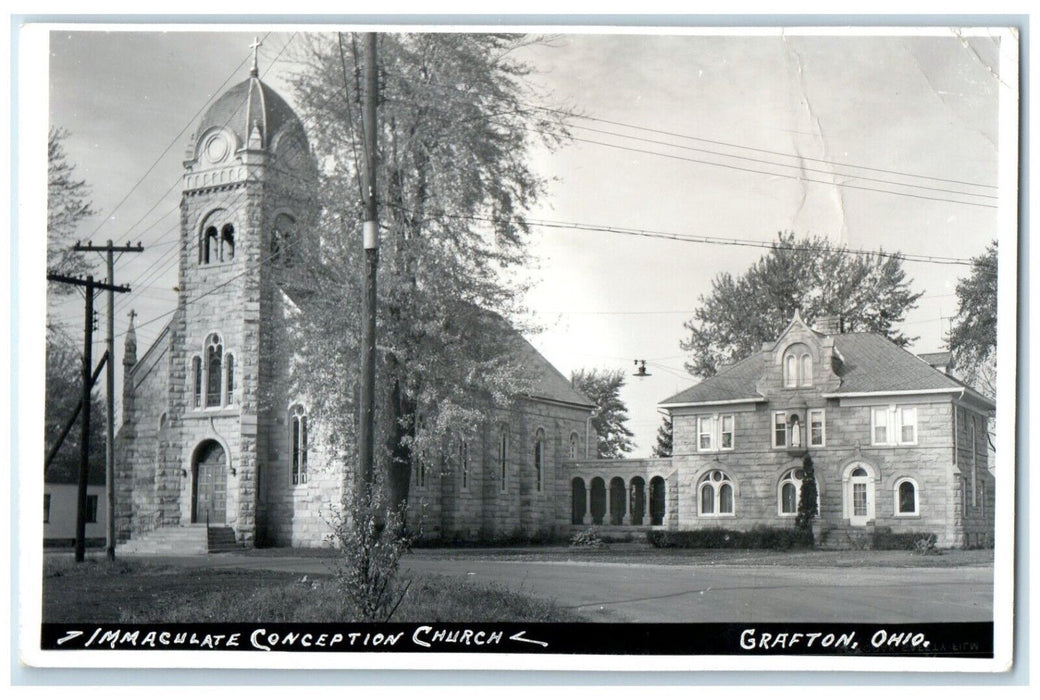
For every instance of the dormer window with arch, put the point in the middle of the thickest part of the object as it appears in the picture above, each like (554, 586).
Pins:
(214, 361)
(798, 366)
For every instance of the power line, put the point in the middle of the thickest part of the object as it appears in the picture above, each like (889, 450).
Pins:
(758, 150)
(166, 150)
(783, 175)
(713, 240)
(787, 165)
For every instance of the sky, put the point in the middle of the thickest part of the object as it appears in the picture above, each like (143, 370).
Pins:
(681, 134)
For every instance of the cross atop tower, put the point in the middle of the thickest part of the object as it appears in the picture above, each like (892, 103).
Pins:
(255, 46)
(131, 315)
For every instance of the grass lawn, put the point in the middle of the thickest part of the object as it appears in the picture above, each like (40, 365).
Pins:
(140, 591)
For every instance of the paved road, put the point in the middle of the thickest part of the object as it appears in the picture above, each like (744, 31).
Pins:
(612, 592)
(656, 593)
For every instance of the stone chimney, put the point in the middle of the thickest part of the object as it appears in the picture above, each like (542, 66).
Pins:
(829, 325)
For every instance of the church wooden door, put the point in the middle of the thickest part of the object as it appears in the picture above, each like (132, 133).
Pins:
(210, 472)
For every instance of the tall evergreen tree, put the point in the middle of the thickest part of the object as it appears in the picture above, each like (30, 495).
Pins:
(454, 182)
(663, 448)
(866, 292)
(603, 387)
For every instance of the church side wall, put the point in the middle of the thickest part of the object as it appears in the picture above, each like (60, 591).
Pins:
(141, 443)
(484, 509)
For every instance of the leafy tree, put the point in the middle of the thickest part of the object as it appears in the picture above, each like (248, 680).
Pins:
(866, 292)
(603, 387)
(663, 448)
(454, 182)
(808, 498)
(63, 389)
(973, 339)
(68, 203)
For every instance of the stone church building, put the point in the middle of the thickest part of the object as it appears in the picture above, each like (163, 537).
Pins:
(212, 433)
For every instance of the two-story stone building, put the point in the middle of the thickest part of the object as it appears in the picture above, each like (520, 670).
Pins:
(895, 442)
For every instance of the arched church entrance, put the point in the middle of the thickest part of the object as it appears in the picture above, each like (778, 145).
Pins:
(209, 484)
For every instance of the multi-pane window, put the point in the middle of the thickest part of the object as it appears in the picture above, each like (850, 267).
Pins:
(790, 490)
(704, 433)
(298, 442)
(503, 455)
(716, 494)
(715, 432)
(92, 505)
(214, 355)
(906, 497)
(779, 429)
(539, 458)
(893, 425)
(817, 428)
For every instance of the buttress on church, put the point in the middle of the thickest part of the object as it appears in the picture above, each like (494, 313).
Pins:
(212, 434)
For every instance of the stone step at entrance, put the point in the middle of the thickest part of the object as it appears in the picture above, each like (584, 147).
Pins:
(846, 538)
(181, 540)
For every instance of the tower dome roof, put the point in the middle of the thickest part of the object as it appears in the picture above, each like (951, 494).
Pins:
(248, 105)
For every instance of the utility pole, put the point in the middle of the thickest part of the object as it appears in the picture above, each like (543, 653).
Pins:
(366, 433)
(110, 386)
(84, 448)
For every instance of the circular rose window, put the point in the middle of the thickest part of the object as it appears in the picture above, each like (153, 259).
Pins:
(216, 148)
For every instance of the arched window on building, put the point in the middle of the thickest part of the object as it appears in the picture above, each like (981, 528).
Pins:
(716, 494)
(214, 355)
(906, 497)
(539, 458)
(503, 456)
(464, 464)
(298, 442)
(229, 379)
(575, 446)
(227, 243)
(789, 491)
(196, 382)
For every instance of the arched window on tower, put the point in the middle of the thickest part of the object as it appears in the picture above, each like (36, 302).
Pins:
(229, 375)
(196, 382)
(208, 249)
(214, 355)
(227, 243)
(298, 439)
